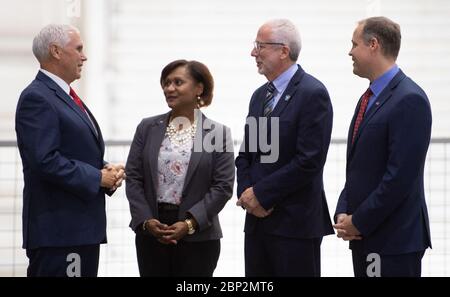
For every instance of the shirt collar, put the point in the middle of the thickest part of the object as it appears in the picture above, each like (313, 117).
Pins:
(59, 81)
(282, 81)
(378, 85)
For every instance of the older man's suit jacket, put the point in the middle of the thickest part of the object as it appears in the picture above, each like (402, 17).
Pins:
(62, 155)
(293, 185)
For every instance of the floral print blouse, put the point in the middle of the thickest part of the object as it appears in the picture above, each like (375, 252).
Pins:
(173, 162)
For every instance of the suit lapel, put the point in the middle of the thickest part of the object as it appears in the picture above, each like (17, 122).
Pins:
(288, 94)
(350, 130)
(157, 132)
(196, 155)
(377, 105)
(156, 137)
(97, 127)
(68, 100)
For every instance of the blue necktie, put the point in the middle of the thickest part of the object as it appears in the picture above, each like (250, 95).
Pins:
(268, 102)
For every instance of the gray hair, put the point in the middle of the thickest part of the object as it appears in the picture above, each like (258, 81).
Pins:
(51, 34)
(286, 32)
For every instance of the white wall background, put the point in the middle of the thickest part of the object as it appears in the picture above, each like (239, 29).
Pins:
(129, 42)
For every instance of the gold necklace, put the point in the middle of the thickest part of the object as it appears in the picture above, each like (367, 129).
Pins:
(180, 137)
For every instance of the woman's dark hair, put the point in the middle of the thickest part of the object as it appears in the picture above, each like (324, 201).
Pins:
(199, 72)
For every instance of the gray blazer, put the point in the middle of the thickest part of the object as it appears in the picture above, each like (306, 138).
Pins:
(209, 179)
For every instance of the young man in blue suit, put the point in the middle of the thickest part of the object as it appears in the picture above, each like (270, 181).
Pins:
(382, 209)
(282, 188)
(66, 178)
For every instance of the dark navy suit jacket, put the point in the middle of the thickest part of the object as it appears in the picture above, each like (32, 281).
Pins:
(293, 185)
(63, 204)
(384, 187)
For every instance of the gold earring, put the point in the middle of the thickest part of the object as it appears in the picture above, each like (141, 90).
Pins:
(200, 101)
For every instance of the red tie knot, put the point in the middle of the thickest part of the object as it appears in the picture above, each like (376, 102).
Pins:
(77, 99)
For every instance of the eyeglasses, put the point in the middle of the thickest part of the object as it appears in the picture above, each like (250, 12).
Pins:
(257, 45)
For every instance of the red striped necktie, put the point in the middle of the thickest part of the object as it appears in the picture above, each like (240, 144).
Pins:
(362, 110)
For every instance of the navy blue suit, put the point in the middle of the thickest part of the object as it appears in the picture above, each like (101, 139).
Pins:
(384, 189)
(62, 155)
(287, 242)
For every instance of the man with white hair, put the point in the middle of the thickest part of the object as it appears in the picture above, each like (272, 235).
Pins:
(287, 213)
(65, 176)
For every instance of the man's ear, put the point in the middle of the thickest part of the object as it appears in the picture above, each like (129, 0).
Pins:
(55, 51)
(285, 52)
(373, 43)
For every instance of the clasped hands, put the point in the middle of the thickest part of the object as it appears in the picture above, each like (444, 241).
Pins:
(345, 228)
(113, 176)
(251, 204)
(166, 234)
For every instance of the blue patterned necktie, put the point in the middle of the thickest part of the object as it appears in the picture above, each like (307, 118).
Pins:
(268, 102)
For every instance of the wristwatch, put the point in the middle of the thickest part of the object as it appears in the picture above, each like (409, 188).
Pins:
(144, 225)
(190, 225)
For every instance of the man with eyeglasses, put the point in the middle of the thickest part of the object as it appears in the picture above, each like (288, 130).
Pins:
(287, 213)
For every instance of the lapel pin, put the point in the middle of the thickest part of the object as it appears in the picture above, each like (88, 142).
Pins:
(287, 97)
(377, 103)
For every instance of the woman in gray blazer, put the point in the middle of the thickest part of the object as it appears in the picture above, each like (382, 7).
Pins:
(180, 174)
